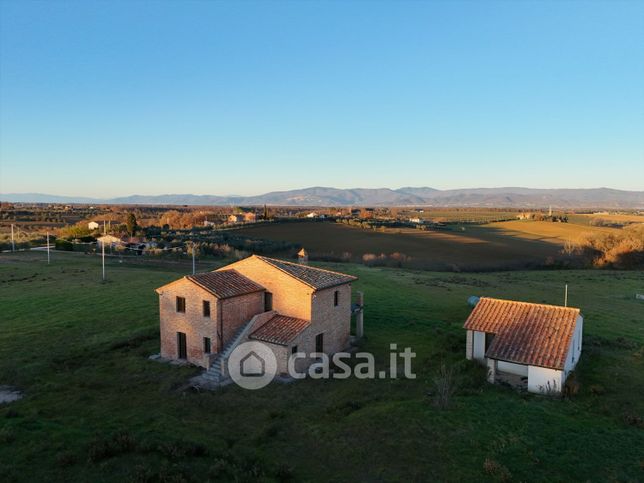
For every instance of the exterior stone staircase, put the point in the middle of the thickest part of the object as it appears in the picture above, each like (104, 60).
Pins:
(217, 374)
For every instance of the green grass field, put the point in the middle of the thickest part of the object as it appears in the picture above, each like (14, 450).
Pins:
(96, 409)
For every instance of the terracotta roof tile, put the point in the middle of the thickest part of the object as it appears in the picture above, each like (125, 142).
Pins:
(314, 277)
(225, 283)
(280, 329)
(525, 333)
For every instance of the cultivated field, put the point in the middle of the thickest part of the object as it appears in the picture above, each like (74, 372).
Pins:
(546, 231)
(96, 409)
(509, 244)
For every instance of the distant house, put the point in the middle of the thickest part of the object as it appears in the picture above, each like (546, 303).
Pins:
(526, 344)
(288, 306)
(236, 218)
(312, 215)
(92, 225)
(415, 220)
(137, 245)
(250, 217)
(108, 241)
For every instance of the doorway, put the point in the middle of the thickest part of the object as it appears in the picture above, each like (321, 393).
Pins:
(182, 346)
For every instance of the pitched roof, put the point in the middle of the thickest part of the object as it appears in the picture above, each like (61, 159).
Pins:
(225, 283)
(316, 278)
(525, 333)
(280, 329)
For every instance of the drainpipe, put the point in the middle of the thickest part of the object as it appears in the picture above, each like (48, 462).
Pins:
(360, 316)
(220, 332)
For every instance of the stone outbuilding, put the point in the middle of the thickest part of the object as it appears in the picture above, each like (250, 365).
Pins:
(525, 344)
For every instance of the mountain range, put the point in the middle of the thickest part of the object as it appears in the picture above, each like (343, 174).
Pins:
(408, 196)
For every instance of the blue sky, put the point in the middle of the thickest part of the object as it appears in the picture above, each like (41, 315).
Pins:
(115, 98)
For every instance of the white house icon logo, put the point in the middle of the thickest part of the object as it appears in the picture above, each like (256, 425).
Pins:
(252, 365)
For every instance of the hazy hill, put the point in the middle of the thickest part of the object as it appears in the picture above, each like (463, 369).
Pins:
(510, 197)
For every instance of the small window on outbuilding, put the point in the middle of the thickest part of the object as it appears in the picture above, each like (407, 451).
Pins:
(294, 349)
(336, 298)
(181, 304)
(206, 308)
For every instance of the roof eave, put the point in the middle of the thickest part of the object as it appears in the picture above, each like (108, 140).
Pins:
(556, 368)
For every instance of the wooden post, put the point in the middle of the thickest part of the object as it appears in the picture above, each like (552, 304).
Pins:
(360, 316)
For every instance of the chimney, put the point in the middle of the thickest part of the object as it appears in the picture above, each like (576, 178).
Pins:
(303, 257)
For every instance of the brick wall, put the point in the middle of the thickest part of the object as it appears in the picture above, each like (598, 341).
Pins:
(334, 321)
(290, 296)
(237, 310)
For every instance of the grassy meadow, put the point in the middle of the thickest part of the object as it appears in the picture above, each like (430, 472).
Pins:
(96, 409)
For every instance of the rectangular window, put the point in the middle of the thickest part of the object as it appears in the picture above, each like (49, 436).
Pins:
(181, 304)
(489, 337)
(206, 308)
(294, 349)
(336, 298)
(206, 345)
(319, 343)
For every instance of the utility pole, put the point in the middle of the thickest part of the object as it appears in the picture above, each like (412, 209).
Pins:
(103, 252)
(48, 259)
(566, 296)
(103, 227)
(193, 259)
(13, 245)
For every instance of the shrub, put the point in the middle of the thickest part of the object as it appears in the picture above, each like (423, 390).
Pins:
(496, 469)
(7, 435)
(633, 419)
(621, 250)
(597, 389)
(64, 245)
(119, 443)
(444, 385)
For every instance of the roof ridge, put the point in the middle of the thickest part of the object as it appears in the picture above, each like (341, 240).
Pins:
(305, 266)
(514, 302)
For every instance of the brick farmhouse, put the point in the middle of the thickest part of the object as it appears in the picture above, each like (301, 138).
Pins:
(290, 307)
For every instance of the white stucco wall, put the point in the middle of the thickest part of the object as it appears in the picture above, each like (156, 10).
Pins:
(543, 380)
(511, 368)
(478, 346)
(574, 350)
(468, 345)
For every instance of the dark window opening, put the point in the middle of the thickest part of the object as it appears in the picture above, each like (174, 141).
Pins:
(319, 343)
(206, 308)
(181, 304)
(268, 301)
(294, 349)
(206, 345)
(488, 340)
(182, 346)
(336, 298)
